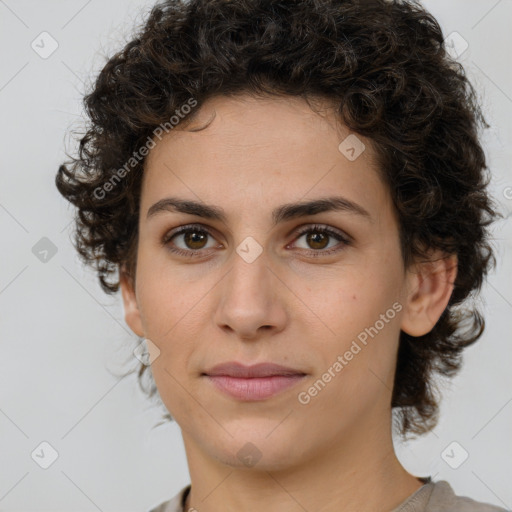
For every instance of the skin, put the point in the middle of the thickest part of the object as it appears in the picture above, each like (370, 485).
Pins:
(287, 307)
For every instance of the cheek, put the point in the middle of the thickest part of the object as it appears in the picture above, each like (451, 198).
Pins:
(171, 320)
(354, 298)
(163, 295)
(362, 308)
(362, 355)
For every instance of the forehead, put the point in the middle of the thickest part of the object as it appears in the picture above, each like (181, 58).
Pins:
(264, 151)
(281, 123)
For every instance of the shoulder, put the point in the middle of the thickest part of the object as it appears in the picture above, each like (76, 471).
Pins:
(175, 504)
(443, 499)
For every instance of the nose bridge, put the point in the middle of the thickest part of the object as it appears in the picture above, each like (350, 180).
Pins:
(250, 259)
(249, 298)
(248, 281)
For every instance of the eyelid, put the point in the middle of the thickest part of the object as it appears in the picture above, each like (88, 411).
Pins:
(304, 228)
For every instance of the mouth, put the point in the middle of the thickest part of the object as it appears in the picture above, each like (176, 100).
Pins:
(253, 383)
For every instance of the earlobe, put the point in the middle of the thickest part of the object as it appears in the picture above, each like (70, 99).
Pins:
(430, 288)
(131, 308)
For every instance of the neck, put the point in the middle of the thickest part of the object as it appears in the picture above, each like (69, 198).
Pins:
(360, 474)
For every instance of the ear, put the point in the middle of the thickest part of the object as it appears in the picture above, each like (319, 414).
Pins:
(131, 308)
(430, 286)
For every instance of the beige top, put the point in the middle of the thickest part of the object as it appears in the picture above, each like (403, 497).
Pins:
(431, 497)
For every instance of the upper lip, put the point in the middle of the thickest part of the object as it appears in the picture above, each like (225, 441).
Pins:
(234, 369)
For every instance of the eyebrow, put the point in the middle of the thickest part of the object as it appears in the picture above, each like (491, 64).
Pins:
(280, 214)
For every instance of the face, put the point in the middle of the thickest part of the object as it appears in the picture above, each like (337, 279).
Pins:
(320, 291)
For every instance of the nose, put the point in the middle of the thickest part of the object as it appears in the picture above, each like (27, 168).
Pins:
(252, 300)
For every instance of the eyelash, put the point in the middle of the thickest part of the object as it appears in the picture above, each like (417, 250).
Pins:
(199, 229)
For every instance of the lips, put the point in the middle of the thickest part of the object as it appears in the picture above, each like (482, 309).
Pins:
(234, 369)
(252, 383)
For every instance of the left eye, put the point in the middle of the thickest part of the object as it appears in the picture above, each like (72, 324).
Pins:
(195, 239)
(317, 238)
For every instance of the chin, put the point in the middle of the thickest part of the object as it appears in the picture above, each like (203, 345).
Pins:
(258, 451)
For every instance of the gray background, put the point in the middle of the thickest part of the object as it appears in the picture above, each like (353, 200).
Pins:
(61, 337)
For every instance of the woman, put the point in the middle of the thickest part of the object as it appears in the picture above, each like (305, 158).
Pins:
(291, 198)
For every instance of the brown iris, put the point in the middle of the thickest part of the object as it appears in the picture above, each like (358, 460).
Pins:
(317, 238)
(195, 237)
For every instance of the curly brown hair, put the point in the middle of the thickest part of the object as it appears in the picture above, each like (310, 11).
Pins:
(382, 63)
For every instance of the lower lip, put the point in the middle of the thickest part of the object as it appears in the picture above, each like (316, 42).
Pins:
(259, 388)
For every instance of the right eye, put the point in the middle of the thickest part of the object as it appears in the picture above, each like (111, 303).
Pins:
(192, 238)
